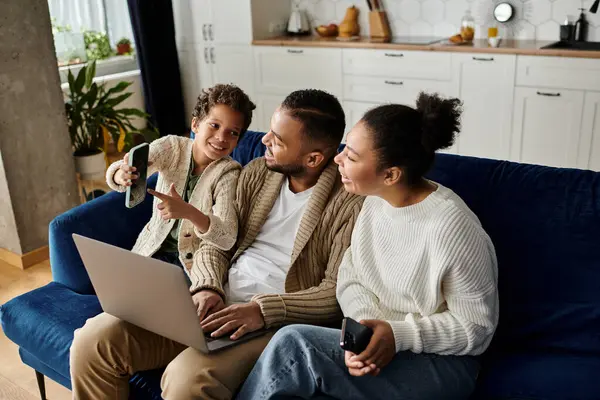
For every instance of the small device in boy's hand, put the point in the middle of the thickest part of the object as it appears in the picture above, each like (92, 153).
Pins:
(138, 158)
(355, 337)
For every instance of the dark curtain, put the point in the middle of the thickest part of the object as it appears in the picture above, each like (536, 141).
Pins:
(154, 33)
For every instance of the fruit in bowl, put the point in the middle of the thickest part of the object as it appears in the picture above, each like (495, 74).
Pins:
(327, 30)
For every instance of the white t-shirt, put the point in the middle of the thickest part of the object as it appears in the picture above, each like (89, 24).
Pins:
(263, 267)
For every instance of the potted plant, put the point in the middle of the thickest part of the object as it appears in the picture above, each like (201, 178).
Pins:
(124, 47)
(94, 119)
(97, 45)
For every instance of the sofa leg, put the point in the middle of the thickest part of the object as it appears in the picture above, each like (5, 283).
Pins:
(41, 384)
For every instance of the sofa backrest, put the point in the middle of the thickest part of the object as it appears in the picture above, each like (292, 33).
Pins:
(545, 225)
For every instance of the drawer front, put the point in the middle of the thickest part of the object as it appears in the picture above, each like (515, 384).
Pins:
(281, 70)
(391, 90)
(558, 72)
(398, 64)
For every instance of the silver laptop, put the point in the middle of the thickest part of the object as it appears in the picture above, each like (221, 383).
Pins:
(149, 293)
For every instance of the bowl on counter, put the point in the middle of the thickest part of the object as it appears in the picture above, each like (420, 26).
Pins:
(330, 30)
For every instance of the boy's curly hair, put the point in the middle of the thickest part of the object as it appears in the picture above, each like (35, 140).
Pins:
(229, 95)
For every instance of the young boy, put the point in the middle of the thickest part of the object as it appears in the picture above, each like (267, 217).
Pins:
(195, 192)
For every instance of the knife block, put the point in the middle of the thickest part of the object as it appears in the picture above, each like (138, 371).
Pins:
(379, 26)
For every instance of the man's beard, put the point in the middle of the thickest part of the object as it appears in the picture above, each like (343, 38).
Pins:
(288, 170)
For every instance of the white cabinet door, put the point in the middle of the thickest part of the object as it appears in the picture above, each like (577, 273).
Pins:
(200, 16)
(184, 27)
(558, 72)
(486, 87)
(190, 83)
(281, 70)
(354, 112)
(265, 107)
(547, 126)
(391, 90)
(204, 65)
(231, 22)
(398, 64)
(589, 151)
(233, 64)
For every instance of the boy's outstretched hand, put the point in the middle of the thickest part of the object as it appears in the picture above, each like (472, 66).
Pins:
(172, 206)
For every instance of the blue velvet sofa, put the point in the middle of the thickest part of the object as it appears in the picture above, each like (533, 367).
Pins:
(544, 222)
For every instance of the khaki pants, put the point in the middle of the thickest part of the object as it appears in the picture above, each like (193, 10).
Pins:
(107, 351)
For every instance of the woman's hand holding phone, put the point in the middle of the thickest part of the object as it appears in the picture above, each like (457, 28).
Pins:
(380, 351)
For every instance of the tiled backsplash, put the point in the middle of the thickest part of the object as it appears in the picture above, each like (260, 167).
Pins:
(442, 17)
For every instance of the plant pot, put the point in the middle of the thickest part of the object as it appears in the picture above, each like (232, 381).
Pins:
(123, 48)
(91, 167)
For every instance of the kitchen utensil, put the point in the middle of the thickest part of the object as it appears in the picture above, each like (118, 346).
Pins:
(298, 22)
(379, 26)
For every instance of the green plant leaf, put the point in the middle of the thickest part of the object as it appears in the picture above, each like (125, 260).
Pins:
(90, 74)
(80, 81)
(117, 100)
(92, 95)
(71, 80)
(132, 111)
(121, 86)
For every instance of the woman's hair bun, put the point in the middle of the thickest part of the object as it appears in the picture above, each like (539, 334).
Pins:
(440, 120)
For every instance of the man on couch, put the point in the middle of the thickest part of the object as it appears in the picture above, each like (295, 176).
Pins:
(296, 221)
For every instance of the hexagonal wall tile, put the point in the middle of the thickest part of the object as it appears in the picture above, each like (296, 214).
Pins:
(400, 28)
(432, 11)
(421, 28)
(526, 32)
(324, 11)
(455, 10)
(541, 11)
(549, 30)
(562, 8)
(408, 11)
(445, 29)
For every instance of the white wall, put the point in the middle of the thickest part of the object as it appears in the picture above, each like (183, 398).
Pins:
(540, 21)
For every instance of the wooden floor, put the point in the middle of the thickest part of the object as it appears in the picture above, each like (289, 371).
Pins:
(17, 380)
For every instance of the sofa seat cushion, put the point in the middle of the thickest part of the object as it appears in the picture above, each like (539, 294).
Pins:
(534, 376)
(42, 322)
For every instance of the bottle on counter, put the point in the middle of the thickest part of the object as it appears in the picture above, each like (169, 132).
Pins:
(467, 27)
(581, 27)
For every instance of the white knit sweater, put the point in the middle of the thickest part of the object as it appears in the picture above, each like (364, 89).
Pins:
(428, 269)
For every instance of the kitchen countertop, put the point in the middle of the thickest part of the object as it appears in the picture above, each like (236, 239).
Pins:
(521, 47)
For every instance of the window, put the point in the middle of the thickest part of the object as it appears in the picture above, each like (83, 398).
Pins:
(106, 16)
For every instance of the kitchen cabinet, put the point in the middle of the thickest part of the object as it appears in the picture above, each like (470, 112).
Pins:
(354, 111)
(265, 107)
(395, 63)
(486, 87)
(189, 75)
(391, 90)
(547, 126)
(589, 151)
(558, 72)
(281, 70)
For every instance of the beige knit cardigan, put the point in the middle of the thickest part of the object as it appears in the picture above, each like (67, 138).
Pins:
(214, 195)
(322, 238)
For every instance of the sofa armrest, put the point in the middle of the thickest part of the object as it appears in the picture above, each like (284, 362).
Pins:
(105, 219)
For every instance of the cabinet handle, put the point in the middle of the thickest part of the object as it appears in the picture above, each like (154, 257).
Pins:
(210, 32)
(393, 83)
(204, 35)
(212, 55)
(548, 94)
(394, 55)
(483, 59)
(295, 51)
(206, 56)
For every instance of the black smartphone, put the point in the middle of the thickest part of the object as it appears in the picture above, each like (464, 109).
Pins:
(354, 336)
(138, 158)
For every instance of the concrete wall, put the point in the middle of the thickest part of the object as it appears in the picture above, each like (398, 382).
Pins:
(38, 168)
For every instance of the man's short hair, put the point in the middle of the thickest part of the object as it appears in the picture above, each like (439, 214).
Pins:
(320, 113)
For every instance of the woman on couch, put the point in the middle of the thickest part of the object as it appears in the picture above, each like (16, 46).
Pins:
(421, 273)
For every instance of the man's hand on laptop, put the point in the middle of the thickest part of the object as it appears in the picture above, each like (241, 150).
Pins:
(237, 318)
(207, 302)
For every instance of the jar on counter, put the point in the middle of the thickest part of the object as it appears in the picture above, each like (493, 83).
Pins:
(467, 27)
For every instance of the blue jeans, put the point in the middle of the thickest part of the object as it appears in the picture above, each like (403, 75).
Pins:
(303, 362)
